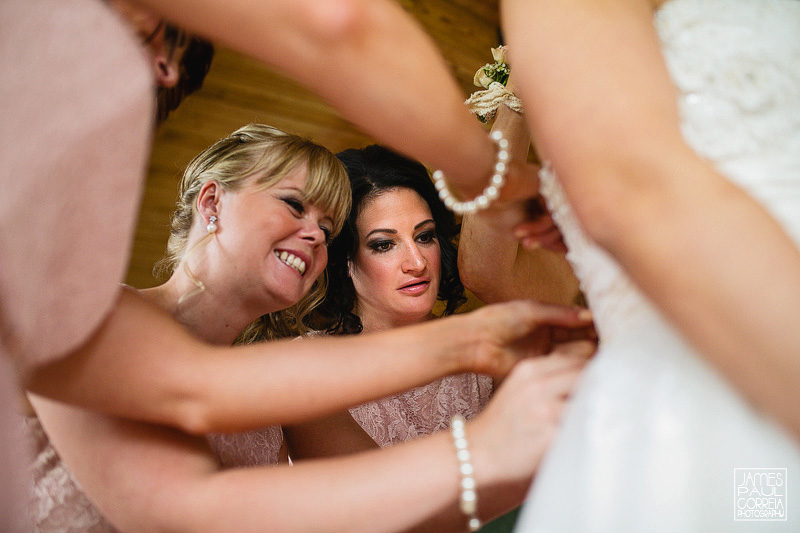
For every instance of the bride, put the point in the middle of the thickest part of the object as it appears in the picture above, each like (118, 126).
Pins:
(658, 437)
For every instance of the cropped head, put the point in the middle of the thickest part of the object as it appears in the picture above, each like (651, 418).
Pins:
(395, 255)
(180, 61)
(183, 67)
(278, 199)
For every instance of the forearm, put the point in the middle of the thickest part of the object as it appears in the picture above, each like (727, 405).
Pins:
(369, 59)
(145, 366)
(342, 435)
(150, 478)
(318, 376)
(491, 262)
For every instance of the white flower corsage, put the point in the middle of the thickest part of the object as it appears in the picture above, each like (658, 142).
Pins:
(493, 78)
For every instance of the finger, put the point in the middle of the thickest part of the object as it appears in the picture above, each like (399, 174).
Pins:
(549, 237)
(535, 314)
(561, 384)
(561, 335)
(579, 349)
(554, 363)
(538, 221)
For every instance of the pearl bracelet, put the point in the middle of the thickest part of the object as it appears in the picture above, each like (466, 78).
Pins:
(489, 194)
(468, 502)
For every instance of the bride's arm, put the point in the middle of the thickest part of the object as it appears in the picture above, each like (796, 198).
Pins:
(143, 365)
(602, 108)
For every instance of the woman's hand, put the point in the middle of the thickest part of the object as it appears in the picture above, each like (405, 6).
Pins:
(507, 440)
(502, 334)
(528, 221)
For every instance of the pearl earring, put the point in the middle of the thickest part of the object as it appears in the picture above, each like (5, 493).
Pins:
(212, 226)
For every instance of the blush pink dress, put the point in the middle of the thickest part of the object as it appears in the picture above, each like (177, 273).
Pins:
(423, 410)
(76, 102)
(58, 505)
(77, 108)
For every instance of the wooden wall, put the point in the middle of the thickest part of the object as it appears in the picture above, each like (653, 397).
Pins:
(239, 90)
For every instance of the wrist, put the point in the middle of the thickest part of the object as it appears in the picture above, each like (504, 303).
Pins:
(455, 343)
(491, 189)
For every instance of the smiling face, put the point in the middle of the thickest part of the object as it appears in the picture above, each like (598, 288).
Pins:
(271, 243)
(397, 266)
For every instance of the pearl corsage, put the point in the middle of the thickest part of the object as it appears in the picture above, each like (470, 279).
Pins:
(468, 502)
(489, 194)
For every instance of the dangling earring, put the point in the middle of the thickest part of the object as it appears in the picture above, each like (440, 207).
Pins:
(212, 226)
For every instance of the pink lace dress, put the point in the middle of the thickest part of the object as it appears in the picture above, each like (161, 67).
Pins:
(76, 104)
(58, 505)
(423, 410)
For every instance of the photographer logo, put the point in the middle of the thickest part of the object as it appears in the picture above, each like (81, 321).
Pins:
(760, 494)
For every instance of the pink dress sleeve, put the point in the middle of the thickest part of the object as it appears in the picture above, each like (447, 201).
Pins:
(77, 105)
(76, 102)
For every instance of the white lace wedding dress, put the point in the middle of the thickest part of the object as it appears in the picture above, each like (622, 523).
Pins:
(653, 435)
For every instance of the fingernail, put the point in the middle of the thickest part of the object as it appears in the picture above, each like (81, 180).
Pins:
(531, 244)
(584, 314)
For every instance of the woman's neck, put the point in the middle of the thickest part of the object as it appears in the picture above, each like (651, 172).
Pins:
(371, 322)
(207, 314)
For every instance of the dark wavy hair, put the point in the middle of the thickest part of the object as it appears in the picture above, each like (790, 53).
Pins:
(192, 69)
(373, 171)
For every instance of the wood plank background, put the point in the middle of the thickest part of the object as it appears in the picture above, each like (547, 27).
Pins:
(239, 90)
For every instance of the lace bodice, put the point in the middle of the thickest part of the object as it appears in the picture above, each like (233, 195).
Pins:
(423, 410)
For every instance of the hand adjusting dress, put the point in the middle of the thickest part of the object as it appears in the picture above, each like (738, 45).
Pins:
(654, 433)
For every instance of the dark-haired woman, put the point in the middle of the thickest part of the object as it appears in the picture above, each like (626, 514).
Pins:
(392, 264)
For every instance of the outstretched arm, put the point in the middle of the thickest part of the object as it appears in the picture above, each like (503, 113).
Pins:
(145, 477)
(369, 59)
(143, 365)
(602, 108)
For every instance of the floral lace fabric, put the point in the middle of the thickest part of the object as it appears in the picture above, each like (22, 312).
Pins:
(653, 434)
(423, 410)
(58, 505)
(57, 502)
(249, 448)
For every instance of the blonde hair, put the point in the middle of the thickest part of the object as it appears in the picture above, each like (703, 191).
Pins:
(269, 155)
